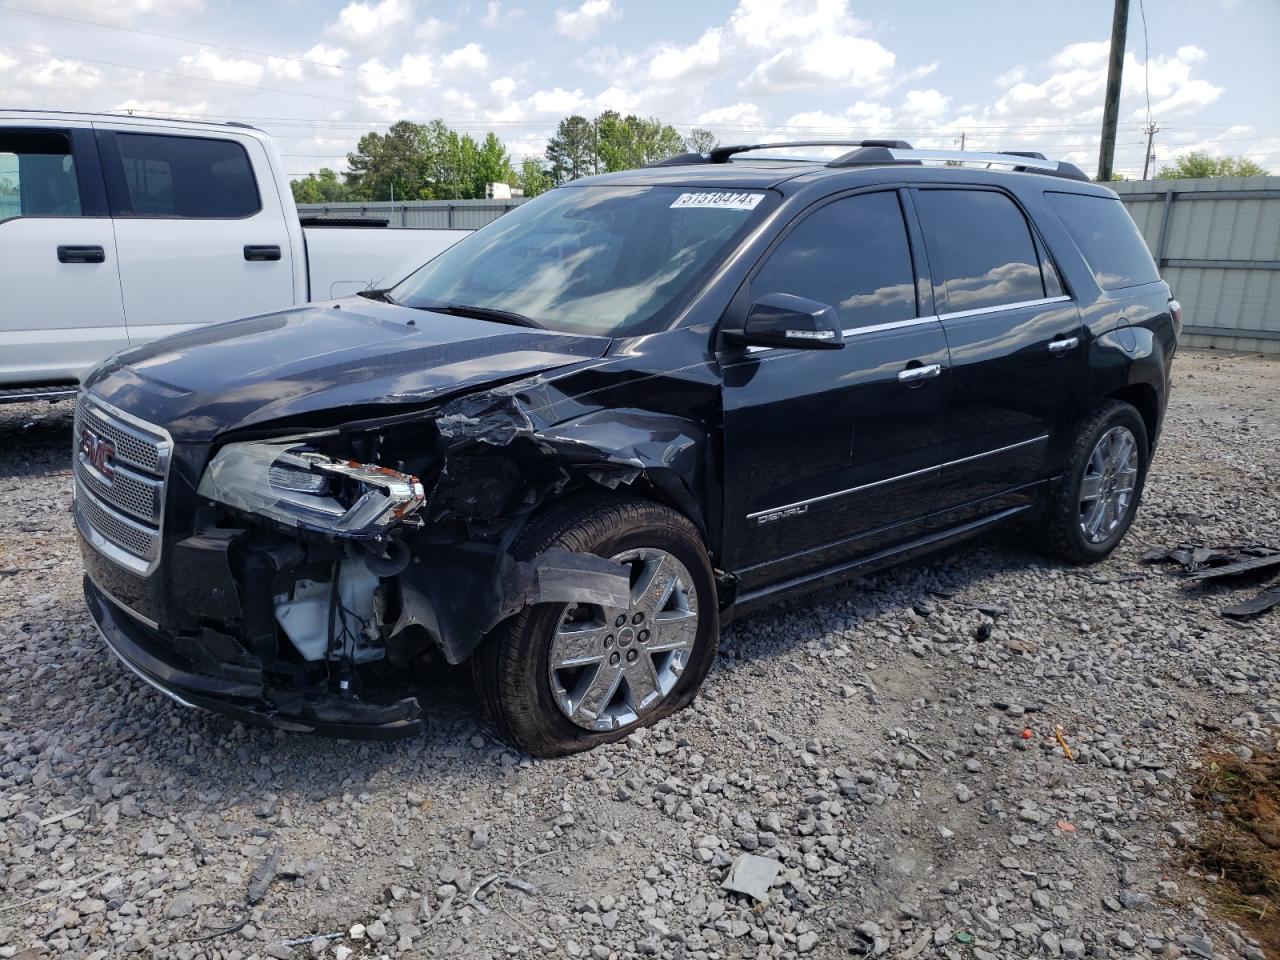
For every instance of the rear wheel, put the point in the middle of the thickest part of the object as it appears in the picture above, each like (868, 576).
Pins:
(1095, 503)
(557, 678)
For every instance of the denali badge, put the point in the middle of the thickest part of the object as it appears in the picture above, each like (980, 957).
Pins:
(785, 513)
(97, 452)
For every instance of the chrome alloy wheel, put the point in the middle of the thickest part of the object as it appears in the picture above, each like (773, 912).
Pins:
(610, 666)
(1110, 478)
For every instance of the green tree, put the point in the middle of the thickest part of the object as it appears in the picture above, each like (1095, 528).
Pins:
(395, 165)
(322, 187)
(533, 178)
(629, 142)
(571, 153)
(493, 164)
(1198, 163)
(701, 141)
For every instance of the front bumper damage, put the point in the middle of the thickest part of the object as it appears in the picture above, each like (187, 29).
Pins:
(205, 626)
(237, 690)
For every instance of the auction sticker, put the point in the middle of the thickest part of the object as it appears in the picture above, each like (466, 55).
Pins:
(717, 200)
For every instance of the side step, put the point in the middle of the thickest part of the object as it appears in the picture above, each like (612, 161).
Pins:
(52, 393)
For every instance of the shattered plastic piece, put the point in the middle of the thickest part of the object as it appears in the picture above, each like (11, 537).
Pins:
(1066, 826)
(1028, 733)
(964, 936)
(752, 875)
(261, 878)
(1255, 606)
(1246, 565)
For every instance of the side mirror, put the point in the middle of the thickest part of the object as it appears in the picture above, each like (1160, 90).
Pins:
(784, 320)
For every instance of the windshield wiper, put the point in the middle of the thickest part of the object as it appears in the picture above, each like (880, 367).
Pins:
(382, 295)
(480, 313)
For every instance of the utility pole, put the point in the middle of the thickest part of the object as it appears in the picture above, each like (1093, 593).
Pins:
(1111, 108)
(960, 140)
(1149, 159)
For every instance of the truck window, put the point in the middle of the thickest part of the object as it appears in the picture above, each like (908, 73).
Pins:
(191, 178)
(1108, 239)
(852, 254)
(37, 175)
(982, 248)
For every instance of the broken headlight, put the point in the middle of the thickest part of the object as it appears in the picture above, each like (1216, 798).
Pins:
(293, 484)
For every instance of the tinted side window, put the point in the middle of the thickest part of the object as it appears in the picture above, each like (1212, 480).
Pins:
(852, 254)
(187, 177)
(37, 175)
(982, 248)
(1108, 239)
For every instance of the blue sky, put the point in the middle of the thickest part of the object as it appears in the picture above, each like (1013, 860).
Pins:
(1007, 75)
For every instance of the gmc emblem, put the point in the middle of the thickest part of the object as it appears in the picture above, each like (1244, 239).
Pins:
(97, 452)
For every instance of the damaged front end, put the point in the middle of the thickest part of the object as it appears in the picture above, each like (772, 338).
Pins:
(324, 572)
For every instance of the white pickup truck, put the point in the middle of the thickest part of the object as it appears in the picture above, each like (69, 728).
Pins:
(115, 230)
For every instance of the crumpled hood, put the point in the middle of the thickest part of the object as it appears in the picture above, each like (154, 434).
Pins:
(319, 357)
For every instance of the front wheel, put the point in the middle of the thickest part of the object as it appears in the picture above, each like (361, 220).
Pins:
(1094, 505)
(558, 678)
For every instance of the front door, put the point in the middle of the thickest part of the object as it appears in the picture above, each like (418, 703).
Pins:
(201, 235)
(830, 454)
(1016, 344)
(58, 269)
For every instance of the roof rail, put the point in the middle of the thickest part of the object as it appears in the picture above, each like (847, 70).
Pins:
(723, 154)
(1019, 161)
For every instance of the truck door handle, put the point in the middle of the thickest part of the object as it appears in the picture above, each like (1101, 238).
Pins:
(913, 375)
(262, 251)
(1059, 347)
(73, 254)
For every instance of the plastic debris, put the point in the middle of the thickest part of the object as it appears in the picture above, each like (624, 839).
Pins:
(964, 936)
(1066, 826)
(261, 878)
(1028, 733)
(1255, 606)
(1057, 732)
(752, 875)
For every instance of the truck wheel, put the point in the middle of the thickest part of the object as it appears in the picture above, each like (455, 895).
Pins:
(1095, 503)
(558, 678)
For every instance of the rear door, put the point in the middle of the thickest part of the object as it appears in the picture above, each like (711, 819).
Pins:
(1016, 345)
(200, 229)
(830, 454)
(61, 311)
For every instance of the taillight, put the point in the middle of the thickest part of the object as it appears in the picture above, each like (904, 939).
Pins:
(1175, 311)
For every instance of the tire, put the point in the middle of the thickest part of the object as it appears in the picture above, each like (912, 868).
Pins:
(528, 704)
(1073, 529)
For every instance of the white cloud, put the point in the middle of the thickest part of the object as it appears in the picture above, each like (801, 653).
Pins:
(470, 57)
(206, 63)
(925, 104)
(746, 114)
(432, 30)
(557, 101)
(502, 86)
(770, 23)
(582, 22)
(361, 21)
(672, 62)
(495, 16)
(413, 70)
(833, 58)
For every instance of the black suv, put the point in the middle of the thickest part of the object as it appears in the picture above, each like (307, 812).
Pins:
(573, 445)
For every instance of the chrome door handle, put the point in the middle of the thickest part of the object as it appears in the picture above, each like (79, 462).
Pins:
(917, 374)
(1060, 347)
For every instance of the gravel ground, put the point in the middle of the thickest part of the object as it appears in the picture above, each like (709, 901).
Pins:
(891, 743)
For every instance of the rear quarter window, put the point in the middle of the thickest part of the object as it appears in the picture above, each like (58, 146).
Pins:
(1108, 239)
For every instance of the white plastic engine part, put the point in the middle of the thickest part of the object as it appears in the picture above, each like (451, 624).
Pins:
(305, 618)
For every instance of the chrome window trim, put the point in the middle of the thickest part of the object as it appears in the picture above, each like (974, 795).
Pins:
(999, 308)
(902, 476)
(860, 331)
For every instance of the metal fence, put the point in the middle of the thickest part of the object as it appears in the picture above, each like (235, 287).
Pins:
(430, 214)
(1217, 242)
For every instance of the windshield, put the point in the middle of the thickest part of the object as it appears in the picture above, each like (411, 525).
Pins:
(610, 261)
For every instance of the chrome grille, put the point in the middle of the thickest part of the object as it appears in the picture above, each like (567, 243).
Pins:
(120, 465)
